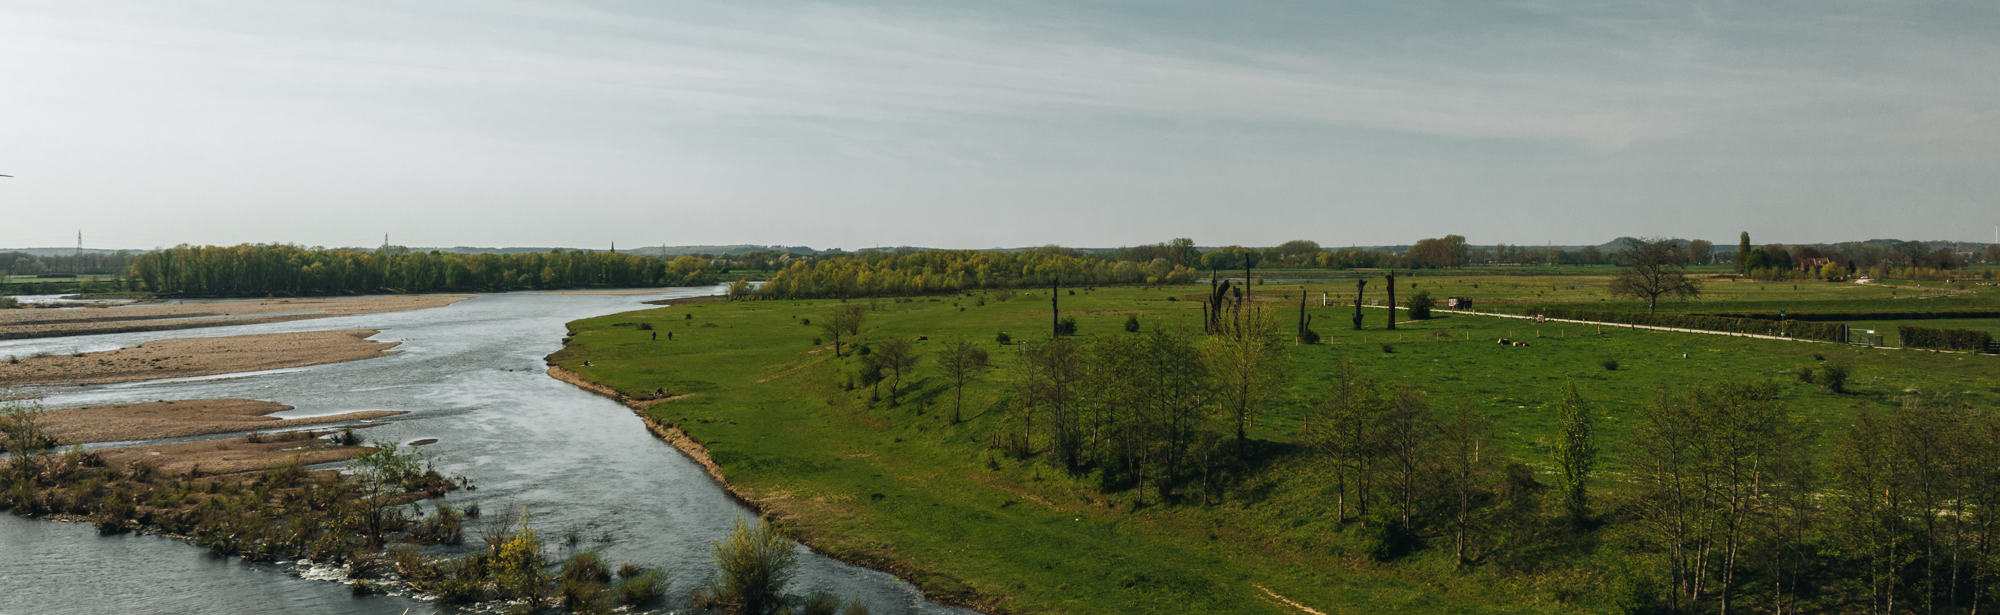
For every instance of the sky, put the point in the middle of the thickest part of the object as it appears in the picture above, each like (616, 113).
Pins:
(946, 123)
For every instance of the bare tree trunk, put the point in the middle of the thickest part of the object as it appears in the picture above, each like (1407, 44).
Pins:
(1392, 301)
(1358, 285)
(1301, 336)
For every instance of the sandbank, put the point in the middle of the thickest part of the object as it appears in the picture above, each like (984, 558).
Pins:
(190, 357)
(174, 419)
(60, 322)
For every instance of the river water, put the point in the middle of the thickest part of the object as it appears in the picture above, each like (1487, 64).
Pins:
(470, 375)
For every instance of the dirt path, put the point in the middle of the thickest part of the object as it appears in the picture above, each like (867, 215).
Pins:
(60, 322)
(173, 419)
(188, 357)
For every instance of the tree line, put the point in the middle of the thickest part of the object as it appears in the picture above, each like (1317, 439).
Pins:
(22, 263)
(944, 271)
(281, 269)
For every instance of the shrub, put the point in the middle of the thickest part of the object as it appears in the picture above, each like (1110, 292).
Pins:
(1066, 326)
(1420, 305)
(1833, 377)
(640, 588)
(1003, 338)
(820, 603)
(753, 564)
(445, 527)
(1131, 323)
(1309, 337)
(1388, 348)
(645, 326)
(1805, 373)
(1610, 364)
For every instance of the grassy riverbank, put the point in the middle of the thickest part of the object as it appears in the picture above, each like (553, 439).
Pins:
(906, 490)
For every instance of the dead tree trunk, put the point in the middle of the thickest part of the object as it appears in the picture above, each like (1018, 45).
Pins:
(1358, 284)
(1055, 310)
(1300, 337)
(1392, 301)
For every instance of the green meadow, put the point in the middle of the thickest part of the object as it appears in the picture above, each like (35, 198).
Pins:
(904, 489)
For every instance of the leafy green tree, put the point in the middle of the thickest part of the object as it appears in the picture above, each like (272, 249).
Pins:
(1054, 389)
(23, 436)
(739, 289)
(898, 356)
(1655, 267)
(962, 363)
(846, 320)
(381, 471)
(1704, 457)
(1575, 453)
(1343, 429)
(1468, 476)
(1249, 363)
(1743, 252)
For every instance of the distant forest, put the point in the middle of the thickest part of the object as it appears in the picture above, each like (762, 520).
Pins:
(275, 269)
(22, 263)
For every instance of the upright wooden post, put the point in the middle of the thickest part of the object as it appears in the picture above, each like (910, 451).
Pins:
(1392, 300)
(1055, 310)
(1358, 284)
(1301, 338)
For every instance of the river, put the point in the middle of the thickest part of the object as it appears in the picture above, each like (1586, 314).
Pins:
(470, 375)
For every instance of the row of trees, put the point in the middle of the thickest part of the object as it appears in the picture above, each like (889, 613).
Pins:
(1851, 257)
(944, 271)
(264, 269)
(22, 263)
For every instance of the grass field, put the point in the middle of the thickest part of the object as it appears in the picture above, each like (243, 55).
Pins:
(905, 489)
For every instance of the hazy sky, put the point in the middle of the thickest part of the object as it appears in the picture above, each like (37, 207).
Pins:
(994, 123)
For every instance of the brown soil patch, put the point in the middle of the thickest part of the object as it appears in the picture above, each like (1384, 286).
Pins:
(187, 357)
(58, 322)
(230, 456)
(173, 419)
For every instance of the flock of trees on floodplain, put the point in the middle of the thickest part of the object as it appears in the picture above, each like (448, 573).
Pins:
(1725, 501)
(279, 269)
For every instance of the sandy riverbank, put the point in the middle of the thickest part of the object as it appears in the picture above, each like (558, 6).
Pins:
(174, 419)
(188, 357)
(54, 322)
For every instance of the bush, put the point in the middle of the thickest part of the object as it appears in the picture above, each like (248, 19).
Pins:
(1131, 323)
(640, 588)
(1388, 348)
(1805, 373)
(645, 326)
(1610, 364)
(1309, 337)
(1420, 305)
(1066, 326)
(1833, 377)
(820, 603)
(754, 563)
(1003, 338)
